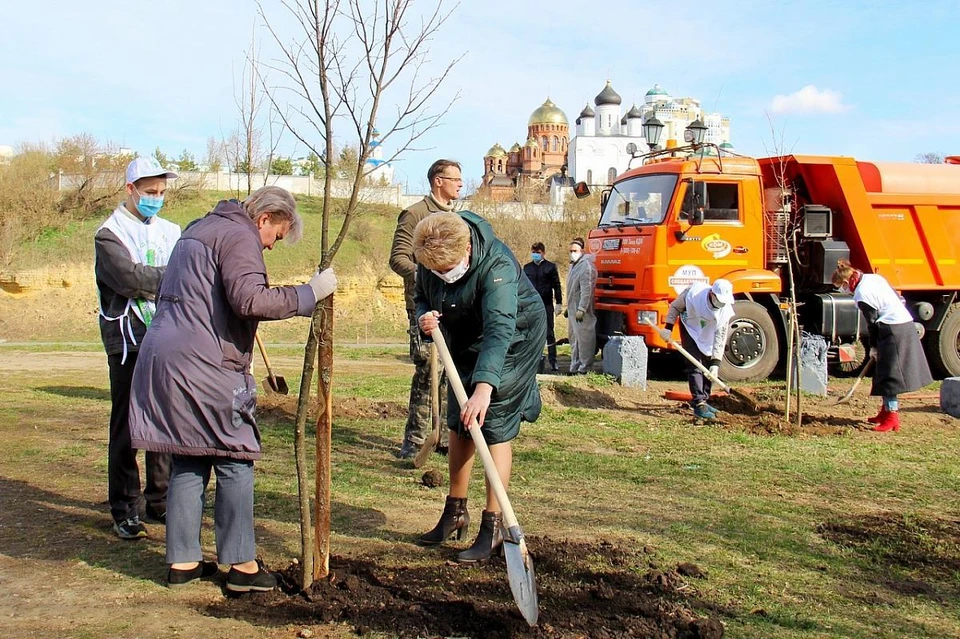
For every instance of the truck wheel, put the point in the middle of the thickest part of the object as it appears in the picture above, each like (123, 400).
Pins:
(753, 346)
(943, 346)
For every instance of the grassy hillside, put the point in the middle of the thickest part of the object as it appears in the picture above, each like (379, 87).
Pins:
(58, 297)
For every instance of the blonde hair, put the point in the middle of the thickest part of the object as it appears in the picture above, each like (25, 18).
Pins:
(440, 240)
(842, 275)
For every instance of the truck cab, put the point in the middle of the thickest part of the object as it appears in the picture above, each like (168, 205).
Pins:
(675, 221)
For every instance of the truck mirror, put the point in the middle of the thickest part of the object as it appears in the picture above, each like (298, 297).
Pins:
(581, 190)
(603, 199)
(694, 200)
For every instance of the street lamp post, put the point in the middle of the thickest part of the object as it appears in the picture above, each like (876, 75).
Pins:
(652, 130)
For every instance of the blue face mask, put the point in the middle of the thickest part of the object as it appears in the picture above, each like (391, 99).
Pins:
(536, 257)
(149, 205)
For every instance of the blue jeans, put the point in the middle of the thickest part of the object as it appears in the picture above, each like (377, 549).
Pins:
(233, 509)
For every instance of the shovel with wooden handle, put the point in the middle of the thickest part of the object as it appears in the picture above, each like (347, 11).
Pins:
(863, 373)
(430, 443)
(740, 396)
(523, 580)
(276, 383)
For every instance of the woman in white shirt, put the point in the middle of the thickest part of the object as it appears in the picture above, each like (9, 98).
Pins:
(901, 365)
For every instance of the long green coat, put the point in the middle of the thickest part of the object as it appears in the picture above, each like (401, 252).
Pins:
(495, 325)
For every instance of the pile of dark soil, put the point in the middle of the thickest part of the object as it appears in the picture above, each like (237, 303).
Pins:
(766, 418)
(596, 590)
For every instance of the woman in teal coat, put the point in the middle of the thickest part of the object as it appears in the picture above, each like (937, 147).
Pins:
(472, 287)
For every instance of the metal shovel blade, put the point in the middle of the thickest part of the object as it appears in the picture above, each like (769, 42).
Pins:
(523, 580)
(277, 384)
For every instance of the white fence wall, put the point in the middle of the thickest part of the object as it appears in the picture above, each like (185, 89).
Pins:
(391, 195)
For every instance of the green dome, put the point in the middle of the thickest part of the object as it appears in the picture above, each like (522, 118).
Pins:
(548, 113)
(657, 90)
(726, 146)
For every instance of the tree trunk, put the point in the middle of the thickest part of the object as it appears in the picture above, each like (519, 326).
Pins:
(300, 450)
(321, 506)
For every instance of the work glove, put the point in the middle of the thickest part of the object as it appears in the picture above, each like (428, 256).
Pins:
(558, 310)
(715, 371)
(323, 283)
(579, 316)
(873, 353)
(565, 313)
(665, 334)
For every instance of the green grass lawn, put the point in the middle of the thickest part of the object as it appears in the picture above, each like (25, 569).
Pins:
(800, 537)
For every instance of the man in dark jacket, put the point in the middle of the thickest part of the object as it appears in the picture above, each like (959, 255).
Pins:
(545, 278)
(445, 185)
(131, 249)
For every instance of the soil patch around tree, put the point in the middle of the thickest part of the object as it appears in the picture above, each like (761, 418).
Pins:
(586, 589)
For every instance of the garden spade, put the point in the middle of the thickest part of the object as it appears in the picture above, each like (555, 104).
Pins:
(276, 383)
(430, 443)
(523, 581)
(863, 373)
(740, 396)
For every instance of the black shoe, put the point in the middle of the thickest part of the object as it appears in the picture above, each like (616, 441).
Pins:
(130, 528)
(260, 581)
(408, 450)
(489, 540)
(553, 367)
(455, 520)
(442, 450)
(177, 577)
(156, 515)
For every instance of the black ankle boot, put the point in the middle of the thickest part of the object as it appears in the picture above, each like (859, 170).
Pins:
(455, 519)
(489, 540)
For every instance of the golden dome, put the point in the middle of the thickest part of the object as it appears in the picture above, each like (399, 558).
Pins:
(532, 143)
(548, 113)
(496, 151)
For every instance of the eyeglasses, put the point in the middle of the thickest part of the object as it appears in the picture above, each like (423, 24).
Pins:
(457, 180)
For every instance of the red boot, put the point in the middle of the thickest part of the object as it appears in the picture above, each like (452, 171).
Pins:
(891, 421)
(880, 416)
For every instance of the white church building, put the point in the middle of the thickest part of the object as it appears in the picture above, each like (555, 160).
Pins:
(598, 151)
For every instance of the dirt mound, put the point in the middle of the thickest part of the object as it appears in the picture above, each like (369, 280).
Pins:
(284, 408)
(585, 589)
(895, 539)
(565, 395)
(766, 417)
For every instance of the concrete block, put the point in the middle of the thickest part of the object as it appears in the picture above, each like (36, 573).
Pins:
(626, 359)
(813, 364)
(950, 396)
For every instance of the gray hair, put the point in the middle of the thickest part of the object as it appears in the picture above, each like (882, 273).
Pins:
(280, 206)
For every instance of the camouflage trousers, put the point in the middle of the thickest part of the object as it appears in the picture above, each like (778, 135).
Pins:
(419, 422)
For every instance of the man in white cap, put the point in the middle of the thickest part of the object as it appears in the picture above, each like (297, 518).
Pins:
(705, 313)
(131, 249)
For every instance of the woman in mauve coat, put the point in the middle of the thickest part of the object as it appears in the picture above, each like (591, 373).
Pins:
(471, 286)
(901, 365)
(193, 394)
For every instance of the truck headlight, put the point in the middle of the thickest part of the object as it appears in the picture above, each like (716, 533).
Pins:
(644, 316)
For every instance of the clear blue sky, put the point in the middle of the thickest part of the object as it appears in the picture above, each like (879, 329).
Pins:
(875, 80)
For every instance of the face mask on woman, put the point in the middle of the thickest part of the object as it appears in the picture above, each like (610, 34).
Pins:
(575, 255)
(455, 273)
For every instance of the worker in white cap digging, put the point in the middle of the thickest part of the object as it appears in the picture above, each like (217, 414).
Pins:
(705, 313)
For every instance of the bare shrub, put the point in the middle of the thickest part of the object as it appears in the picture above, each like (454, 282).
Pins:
(28, 200)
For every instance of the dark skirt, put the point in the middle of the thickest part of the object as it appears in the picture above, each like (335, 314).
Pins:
(518, 396)
(901, 363)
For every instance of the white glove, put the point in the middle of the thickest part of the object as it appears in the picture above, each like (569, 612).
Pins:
(873, 353)
(323, 283)
(665, 334)
(715, 371)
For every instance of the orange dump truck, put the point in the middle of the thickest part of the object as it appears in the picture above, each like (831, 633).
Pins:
(674, 221)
